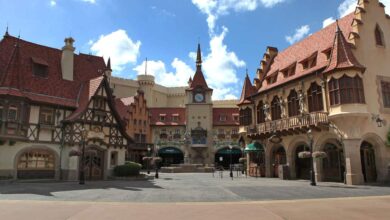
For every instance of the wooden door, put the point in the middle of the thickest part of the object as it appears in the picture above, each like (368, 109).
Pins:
(93, 165)
(280, 159)
(368, 164)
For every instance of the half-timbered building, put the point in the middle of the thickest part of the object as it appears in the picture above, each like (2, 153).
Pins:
(54, 103)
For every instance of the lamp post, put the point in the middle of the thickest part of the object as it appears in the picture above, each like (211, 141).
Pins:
(156, 162)
(231, 152)
(312, 175)
(82, 160)
(147, 161)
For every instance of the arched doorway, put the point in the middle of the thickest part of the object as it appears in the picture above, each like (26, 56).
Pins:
(367, 156)
(302, 165)
(334, 164)
(170, 155)
(225, 154)
(256, 154)
(278, 158)
(36, 164)
(93, 163)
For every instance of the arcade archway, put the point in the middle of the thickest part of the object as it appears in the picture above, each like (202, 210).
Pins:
(170, 155)
(333, 166)
(278, 158)
(224, 155)
(367, 156)
(302, 165)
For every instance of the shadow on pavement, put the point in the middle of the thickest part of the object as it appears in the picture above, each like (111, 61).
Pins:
(48, 188)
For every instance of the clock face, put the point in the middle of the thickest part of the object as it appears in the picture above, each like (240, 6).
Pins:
(199, 97)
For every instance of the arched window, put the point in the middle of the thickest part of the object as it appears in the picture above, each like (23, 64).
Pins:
(246, 116)
(260, 113)
(379, 36)
(346, 90)
(276, 112)
(293, 103)
(314, 97)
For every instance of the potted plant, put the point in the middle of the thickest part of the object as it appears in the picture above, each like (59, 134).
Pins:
(304, 154)
(319, 155)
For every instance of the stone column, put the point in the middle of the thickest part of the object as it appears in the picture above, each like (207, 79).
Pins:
(267, 161)
(318, 169)
(291, 164)
(324, 95)
(353, 167)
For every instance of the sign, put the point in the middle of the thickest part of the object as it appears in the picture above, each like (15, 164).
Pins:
(96, 133)
(221, 159)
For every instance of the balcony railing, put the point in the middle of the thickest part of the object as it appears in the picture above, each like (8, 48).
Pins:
(291, 123)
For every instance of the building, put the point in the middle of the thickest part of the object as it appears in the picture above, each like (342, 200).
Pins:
(54, 103)
(334, 83)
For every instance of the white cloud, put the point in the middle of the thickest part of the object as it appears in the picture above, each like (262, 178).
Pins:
(346, 7)
(299, 34)
(215, 8)
(119, 46)
(53, 3)
(328, 21)
(157, 68)
(89, 1)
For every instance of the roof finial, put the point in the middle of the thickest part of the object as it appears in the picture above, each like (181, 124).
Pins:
(337, 25)
(246, 70)
(109, 63)
(146, 66)
(6, 34)
(198, 58)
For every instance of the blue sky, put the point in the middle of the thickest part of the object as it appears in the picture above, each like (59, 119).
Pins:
(233, 33)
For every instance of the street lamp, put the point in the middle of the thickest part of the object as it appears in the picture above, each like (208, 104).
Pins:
(82, 160)
(231, 152)
(156, 162)
(147, 161)
(312, 175)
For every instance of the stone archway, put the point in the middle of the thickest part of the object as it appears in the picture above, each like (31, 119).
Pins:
(278, 158)
(37, 162)
(170, 155)
(302, 165)
(333, 166)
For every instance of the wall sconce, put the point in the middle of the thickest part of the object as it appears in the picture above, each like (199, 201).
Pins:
(379, 121)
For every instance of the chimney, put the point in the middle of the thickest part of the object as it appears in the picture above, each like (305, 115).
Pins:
(67, 57)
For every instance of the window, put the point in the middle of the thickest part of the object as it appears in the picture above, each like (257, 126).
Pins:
(175, 118)
(234, 131)
(276, 112)
(293, 104)
(143, 138)
(235, 117)
(379, 36)
(386, 93)
(139, 122)
(162, 117)
(98, 103)
(272, 78)
(328, 53)
(46, 116)
(290, 71)
(40, 70)
(135, 121)
(36, 159)
(12, 113)
(346, 90)
(260, 113)
(309, 63)
(1, 112)
(246, 116)
(222, 118)
(314, 97)
(221, 131)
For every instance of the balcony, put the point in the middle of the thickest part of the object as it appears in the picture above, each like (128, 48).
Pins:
(291, 125)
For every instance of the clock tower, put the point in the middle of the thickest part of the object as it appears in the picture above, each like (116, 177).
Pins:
(199, 114)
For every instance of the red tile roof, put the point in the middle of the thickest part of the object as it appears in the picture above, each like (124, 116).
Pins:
(229, 113)
(247, 90)
(315, 43)
(342, 56)
(169, 113)
(16, 72)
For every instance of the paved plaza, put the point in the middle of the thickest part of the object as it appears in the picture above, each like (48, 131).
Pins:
(185, 187)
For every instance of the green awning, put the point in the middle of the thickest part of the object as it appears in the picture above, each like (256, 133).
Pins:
(254, 147)
(227, 151)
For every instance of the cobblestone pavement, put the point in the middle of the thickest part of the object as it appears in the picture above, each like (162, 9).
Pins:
(187, 187)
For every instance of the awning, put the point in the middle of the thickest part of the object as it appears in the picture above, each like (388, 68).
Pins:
(254, 147)
(170, 150)
(228, 152)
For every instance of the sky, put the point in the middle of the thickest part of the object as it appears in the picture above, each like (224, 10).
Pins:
(233, 33)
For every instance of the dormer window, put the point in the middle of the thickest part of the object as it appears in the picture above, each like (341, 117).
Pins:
(379, 36)
(289, 71)
(162, 117)
(39, 67)
(175, 118)
(222, 118)
(46, 116)
(99, 103)
(272, 78)
(328, 53)
(309, 62)
(12, 113)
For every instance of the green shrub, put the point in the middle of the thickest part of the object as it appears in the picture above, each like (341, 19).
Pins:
(128, 169)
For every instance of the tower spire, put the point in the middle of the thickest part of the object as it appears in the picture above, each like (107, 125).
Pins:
(6, 34)
(109, 63)
(146, 66)
(198, 58)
